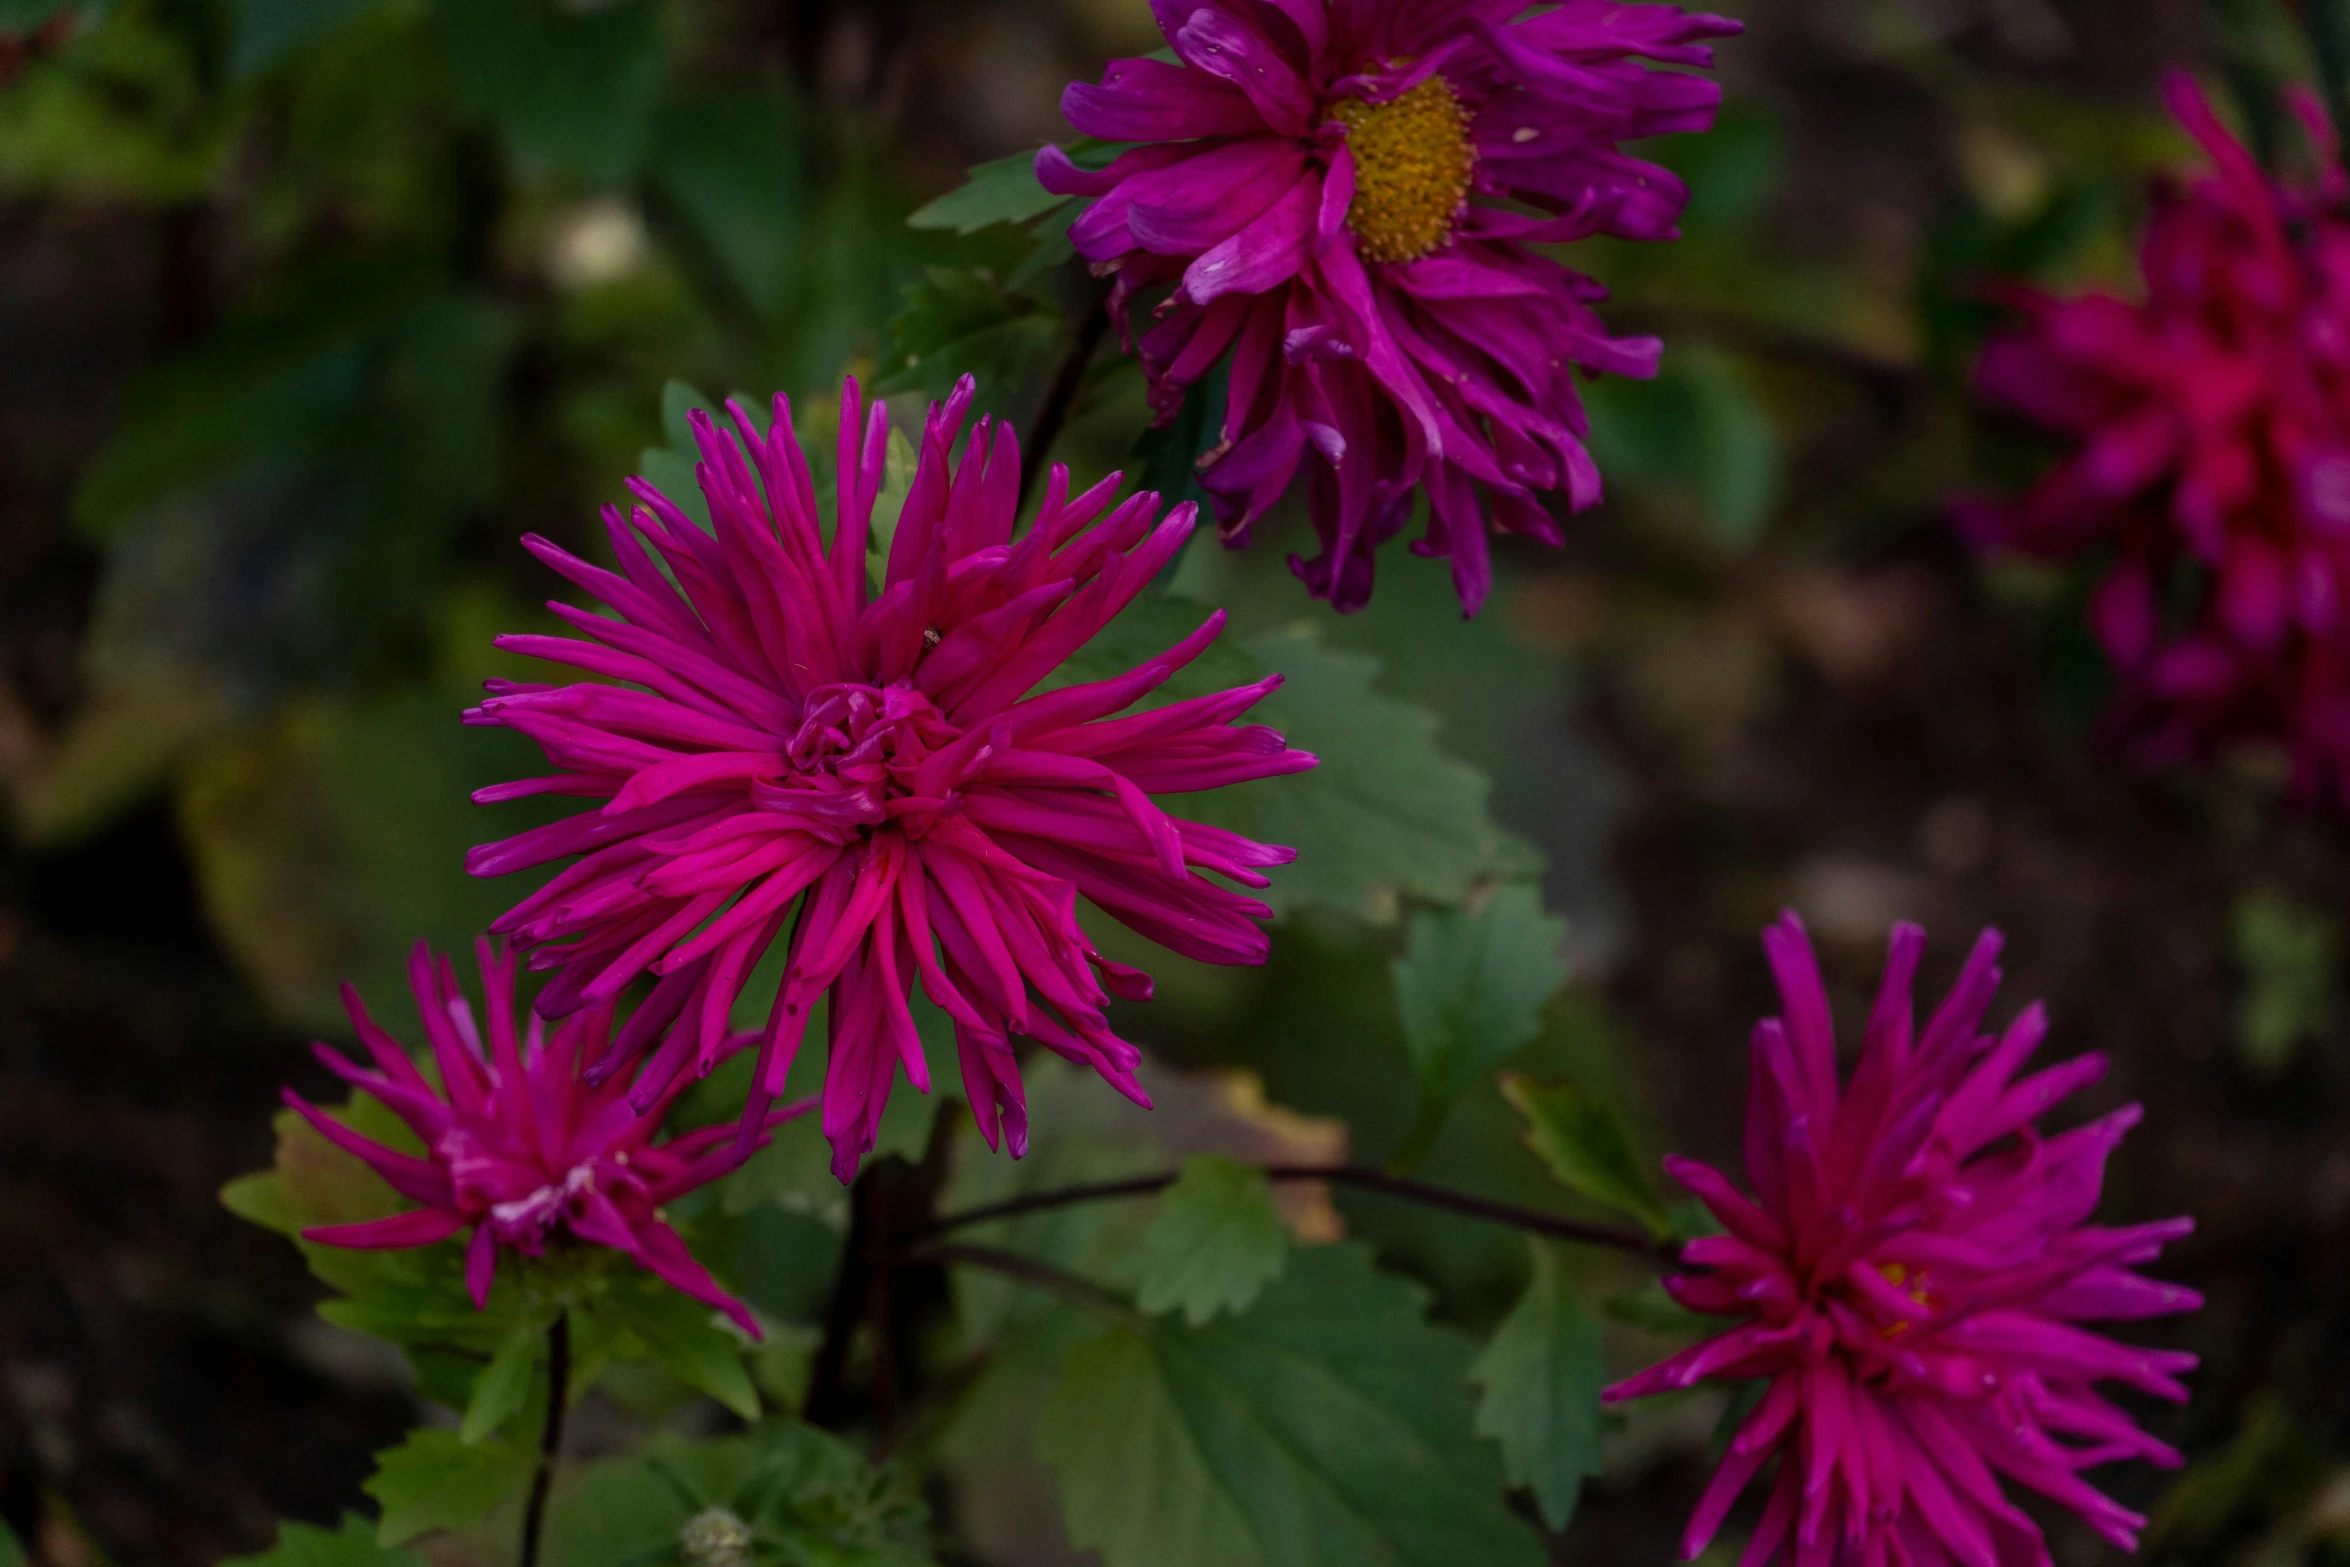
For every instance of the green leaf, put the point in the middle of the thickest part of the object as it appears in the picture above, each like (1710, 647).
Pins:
(1166, 458)
(12, 1553)
(566, 84)
(1540, 1378)
(670, 468)
(2290, 956)
(690, 1339)
(1581, 1139)
(1329, 1427)
(435, 1481)
(960, 322)
(301, 1545)
(1216, 1243)
(729, 165)
(1737, 449)
(1470, 988)
(1651, 1310)
(503, 1386)
(1004, 191)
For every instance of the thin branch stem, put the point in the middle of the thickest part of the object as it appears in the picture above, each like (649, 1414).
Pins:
(1532, 1220)
(1037, 446)
(1081, 1293)
(534, 1519)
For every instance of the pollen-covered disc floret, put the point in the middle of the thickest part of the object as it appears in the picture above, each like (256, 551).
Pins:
(1339, 199)
(1413, 156)
(1909, 1278)
(784, 751)
(517, 1148)
(2210, 464)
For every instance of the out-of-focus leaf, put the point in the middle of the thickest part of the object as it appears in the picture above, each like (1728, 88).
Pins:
(122, 111)
(1697, 429)
(1004, 191)
(2290, 956)
(328, 844)
(503, 1386)
(269, 30)
(12, 1553)
(1329, 1425)
(2222, 1484)
(121, 746)
(301, 1545)
(731, 163)
(27, 14)
(1581, 1138)
(1216, 1243)
(1540, 1377)
(1733, 169)
(1651, 1310)
(435, 1481)
(568, 85)
(1470, 987)
(808, 1497)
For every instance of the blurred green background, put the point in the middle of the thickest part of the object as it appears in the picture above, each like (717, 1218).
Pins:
(310, 308)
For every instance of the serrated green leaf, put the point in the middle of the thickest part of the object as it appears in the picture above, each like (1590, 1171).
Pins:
(1388, 814)
(1004, 191)
(434, 1481)
(502, 1388)
(1328, 1427)
(1581, 1139)
(691, 1340)
(964, 322)
(1216, 1243)
(1540, 1378)
(301, 1545)
(1469, 988)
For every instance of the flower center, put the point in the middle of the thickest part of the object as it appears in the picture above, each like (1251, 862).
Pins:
(857, 747)
(1413, 159)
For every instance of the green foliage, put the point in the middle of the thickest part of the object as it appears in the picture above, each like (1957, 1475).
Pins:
(1540, 1378)
(268, 30)
(1470, 986)
(1581, 1140)
(1700, 429)
(301, 1545)
(959, 322)
(12, 1553)
(1166, 457)
(435, 1480)
(695, 1343)
(1329, 1425)
(503, 1388)
(565, 84)
(806, 1499)
(2290, 956)
(1216, 1243)
(1004, 191)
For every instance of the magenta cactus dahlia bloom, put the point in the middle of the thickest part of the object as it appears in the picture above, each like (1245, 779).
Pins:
(1911, 1272)
(516, 1146)
(789, 740)
(2213, 422)
(1306, 193)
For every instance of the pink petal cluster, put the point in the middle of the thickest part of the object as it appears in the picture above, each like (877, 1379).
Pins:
(1388, 324)
(516, 1146)
(775, 743)
(1910, 1275)
(2213, 464)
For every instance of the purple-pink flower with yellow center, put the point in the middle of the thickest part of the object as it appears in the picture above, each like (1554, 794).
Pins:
(1911, 1273)
(777, 744)
(517, 1147)
(1341, 198)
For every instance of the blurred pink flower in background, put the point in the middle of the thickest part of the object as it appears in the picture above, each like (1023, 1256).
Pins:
(790, 738)
(1910, 1271)
(1307, 187)
(516, 1146)
(2212, 474)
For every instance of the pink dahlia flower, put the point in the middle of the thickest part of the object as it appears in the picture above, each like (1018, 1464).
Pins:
(516, 1146)
(871, 769)
(1341, 197)
(2213, 421)
(1910, 1274)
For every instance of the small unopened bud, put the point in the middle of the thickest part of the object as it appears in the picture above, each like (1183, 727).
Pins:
(716, 1538)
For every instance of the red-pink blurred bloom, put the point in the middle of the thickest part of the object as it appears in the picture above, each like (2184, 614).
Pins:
(516, 1146)
(1306, 185)
(1910, 1272)
(2213, 468)
(789, 739)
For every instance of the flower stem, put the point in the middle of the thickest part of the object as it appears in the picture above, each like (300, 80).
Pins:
(1068, 381)
(1078, 1292)
(1666, 1252)
(550, 1435)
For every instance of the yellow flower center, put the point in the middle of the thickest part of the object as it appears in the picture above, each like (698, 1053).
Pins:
(1900, 1277)
(1413, 158)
